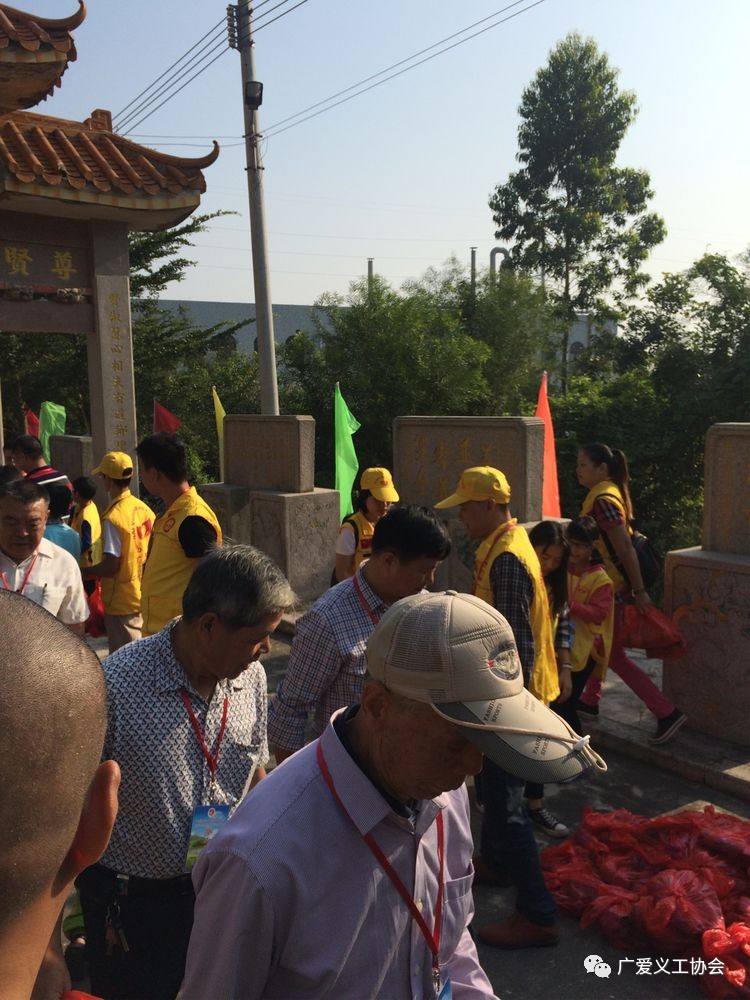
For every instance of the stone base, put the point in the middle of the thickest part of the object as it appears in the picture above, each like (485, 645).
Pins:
(708, 594)
(231, 504)
(298, 531)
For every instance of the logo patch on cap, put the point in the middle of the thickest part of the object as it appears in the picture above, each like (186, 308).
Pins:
(506, 665)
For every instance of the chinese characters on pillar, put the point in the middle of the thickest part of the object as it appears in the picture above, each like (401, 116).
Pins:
(116, 324)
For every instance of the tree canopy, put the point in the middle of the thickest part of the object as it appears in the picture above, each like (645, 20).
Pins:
(570, 213)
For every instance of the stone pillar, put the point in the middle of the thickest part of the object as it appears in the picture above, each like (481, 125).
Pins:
(707, 592)
(430, 453)
(110, 347)
(269, 499)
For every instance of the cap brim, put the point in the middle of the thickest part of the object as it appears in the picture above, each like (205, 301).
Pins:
(96, 471)
(452, 501)
(385, 493)
(533, 742)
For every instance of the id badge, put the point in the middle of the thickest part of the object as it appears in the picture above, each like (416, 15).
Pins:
(446, 992)
(207, 821)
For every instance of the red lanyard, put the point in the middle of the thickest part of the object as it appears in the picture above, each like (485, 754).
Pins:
(365, 606)
(212, 759)
(4, 578)
(432, 938)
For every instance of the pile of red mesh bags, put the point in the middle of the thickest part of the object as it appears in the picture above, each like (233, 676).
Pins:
(678, 885)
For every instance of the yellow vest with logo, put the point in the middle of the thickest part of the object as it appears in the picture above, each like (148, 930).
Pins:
(365, 531)
(89, 514)
(580, 589)
(133, 519)
(544, 679)
(615, 497)
(167, 568)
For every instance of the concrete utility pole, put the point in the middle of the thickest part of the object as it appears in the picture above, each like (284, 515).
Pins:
(370, 273)
(473, 269)
(239, 28)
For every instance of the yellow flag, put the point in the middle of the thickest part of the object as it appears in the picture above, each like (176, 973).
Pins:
(220, 414)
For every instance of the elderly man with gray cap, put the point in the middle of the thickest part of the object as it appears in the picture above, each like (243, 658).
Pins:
(348, 871)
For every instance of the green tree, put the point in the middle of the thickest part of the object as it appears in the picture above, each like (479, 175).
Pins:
(393, 354)
(570, 212)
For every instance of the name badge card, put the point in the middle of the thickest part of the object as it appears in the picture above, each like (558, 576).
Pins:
(207, 821)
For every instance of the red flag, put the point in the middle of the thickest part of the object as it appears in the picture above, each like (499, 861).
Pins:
(550, 491)
(31, 420)
(164, 420)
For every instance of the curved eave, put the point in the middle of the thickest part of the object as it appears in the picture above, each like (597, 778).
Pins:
(69, 23)
(182, 162)
(147, 214)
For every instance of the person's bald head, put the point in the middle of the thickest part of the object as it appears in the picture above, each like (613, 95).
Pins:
(52, 726)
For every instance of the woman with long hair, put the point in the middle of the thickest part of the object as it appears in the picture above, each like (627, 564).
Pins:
(604, 473)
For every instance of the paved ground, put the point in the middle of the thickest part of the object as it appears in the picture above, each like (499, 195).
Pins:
(690, 771)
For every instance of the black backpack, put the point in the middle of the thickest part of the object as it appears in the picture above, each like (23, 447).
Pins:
(649, 558)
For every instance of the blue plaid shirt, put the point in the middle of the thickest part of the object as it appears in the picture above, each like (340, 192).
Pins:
(327, 662)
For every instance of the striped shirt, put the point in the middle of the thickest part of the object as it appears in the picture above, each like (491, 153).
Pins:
(327, 661)
(45, 475)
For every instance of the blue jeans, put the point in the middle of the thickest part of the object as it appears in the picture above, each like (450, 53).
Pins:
(508, 845)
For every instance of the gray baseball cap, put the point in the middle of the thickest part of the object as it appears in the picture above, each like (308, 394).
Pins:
(457, 653)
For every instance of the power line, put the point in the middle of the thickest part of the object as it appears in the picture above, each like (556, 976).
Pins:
(137, 96)
(274, 130)
(215, 42)
(218, 41)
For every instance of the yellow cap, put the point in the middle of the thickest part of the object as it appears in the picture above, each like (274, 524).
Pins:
(115, 465)
(380, 483)
(481, 482)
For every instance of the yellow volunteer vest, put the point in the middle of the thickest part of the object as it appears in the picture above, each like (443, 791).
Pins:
(167, 568)
(133, 519)
(580, 588)
(615, 497)
(365, 531)
(512, 538)
(89, 514)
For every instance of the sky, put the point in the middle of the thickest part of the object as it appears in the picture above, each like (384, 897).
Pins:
(403, 173)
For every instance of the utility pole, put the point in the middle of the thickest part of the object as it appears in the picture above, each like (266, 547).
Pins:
(239, 28)
(370, 274)
(473, 270)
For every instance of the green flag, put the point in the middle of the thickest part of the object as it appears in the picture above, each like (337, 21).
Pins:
(51, 421)
(345, 424)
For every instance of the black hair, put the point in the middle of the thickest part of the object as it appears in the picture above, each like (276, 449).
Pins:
(361, 496)
(85, 487)
(541, 536)
(59, 500)
(411, 532)
(25, 491)
(9, 474)
(583, 529)
(30, 446)
(617, 467)
(166, 453)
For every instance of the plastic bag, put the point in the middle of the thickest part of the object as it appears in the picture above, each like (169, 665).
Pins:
(652, 631)
(95, 623)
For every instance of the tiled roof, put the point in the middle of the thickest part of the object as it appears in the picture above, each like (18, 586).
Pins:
(68, 158)
(34, 54)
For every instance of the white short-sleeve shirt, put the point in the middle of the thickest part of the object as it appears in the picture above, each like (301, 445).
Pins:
(54, 582)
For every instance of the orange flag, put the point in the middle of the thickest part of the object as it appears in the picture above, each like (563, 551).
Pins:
(550, 491)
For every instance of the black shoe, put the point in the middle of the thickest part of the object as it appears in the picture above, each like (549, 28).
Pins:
(548, 822)
(592, 710)
(667, 727)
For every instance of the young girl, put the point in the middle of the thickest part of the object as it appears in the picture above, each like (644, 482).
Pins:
(354, 543)
(604, 472)
(552, 549)
(591, 603)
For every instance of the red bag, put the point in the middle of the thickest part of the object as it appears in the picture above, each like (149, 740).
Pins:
(652, 631)
(95, 623)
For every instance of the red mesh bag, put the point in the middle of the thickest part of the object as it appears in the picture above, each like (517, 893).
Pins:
(653, 632)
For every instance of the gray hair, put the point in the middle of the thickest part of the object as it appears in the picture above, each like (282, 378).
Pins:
(238, 583)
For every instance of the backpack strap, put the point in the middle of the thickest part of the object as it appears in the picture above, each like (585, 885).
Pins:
(351, 521)
(608, 544)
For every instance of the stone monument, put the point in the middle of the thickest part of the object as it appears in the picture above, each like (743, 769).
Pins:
(707, 593)
(430, 453)
(270, 501)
